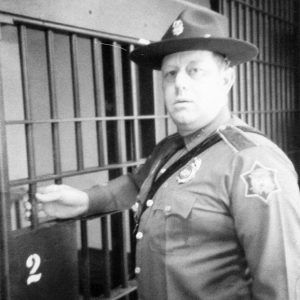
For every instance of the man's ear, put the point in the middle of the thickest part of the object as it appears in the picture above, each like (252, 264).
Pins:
(228, 78)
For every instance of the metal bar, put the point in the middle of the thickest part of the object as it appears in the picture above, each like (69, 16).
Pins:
(159, 107)
(263, 11)
(261, 78)
(241, 67)
(283, 99)
(121, 146)
(255, 69)
(279, 95)
(71, 29)
(100, 102)
(75, 81)
(103, 153)
(105, 230)
(135, 105)
(120, 293)
(125, 165)
(233, 30)
(85, 260)
(18, 214)
(249, 65)
(84, 119)
(4, 202)
(53, 104)
(122, 155)
(28, 127)
(272, 54)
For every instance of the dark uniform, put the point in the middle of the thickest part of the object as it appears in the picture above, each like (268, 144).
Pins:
(225, 226)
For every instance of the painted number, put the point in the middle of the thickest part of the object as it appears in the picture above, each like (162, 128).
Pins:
(33, 262)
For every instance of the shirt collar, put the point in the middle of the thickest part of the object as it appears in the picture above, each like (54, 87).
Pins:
(224, 118)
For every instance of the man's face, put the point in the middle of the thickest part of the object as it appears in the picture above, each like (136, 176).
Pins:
(195, 88)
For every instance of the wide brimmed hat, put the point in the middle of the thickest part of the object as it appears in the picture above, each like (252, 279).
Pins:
(195, 29)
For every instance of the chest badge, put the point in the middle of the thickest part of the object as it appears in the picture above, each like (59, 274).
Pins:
(260, 182)
(189, 172)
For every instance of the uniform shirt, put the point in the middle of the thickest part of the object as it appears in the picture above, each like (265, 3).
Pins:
(225, 226)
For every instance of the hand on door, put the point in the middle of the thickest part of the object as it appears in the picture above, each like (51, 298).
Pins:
(62, 201)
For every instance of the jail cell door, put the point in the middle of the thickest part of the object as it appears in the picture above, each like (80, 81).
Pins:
(74, 110)
(38, 256)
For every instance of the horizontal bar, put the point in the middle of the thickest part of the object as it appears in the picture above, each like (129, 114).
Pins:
(121, 292)
(75, 173)
(51, 222)
(78, 30)
(265, 12)
(272, 64)
(88, 119)
(271, 111)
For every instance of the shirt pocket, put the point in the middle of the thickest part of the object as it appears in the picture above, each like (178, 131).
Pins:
(169, 225)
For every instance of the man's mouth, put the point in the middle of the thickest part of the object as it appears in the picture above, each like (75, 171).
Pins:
(182, 101)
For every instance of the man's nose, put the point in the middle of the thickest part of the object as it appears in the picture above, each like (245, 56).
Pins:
(181, 81)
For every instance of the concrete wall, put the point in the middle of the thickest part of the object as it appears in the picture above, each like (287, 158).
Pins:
(135, 18)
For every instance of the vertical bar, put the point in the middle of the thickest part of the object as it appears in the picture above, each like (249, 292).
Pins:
(241, 68)
(261, 78)
(85, 259)
(53, 104)
(272, 33)
(135, 104)
(266, 67)
(118, 78)
(233, 30)
(159, 108)
(80, 164)
(255, 70)
(4, 201)
(249, 67)
(28, 127)
(103, 153)
(99, 102)
(106, 256)
(279, 99)
(75, 82)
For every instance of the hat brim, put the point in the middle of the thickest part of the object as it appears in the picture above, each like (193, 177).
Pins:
(151, 56)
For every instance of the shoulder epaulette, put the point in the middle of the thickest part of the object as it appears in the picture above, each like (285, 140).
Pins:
(235, 137)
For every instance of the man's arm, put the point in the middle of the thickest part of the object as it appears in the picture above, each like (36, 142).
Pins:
(266, 210)
(62, 201)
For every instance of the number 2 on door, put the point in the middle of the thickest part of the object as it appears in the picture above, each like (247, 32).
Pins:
(33, 262)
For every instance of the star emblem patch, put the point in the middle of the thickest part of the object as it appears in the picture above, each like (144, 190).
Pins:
(260, 182)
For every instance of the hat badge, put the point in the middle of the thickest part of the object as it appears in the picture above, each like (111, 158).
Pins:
(177, 27)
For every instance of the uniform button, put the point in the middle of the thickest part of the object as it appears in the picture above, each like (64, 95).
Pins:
(135, 207)
(168, 208)
(149, 202)
(139, 235)
(137, 270)
(165, 185)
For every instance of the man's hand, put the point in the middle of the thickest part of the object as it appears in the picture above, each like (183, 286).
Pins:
(62, 201)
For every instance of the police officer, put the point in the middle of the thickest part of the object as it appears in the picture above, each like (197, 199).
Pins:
(218, 203)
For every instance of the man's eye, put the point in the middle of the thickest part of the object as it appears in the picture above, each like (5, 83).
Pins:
(170, 74)
(194, 71)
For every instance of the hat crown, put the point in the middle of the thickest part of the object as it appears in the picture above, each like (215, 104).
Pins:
(195, 29)
(202, 23)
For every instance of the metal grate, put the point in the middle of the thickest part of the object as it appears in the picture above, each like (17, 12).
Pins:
(264, 94)
(83, 115)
